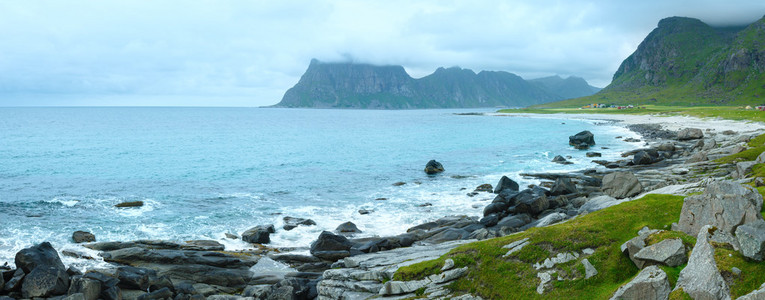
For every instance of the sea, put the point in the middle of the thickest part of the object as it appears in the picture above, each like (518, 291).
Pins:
(205, 172)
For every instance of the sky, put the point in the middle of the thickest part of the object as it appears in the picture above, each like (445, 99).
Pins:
(248, 53)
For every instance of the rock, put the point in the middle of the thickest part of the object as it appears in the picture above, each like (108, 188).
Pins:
(744, 168)
(697, 157)
(751, 239)
(402, 287)
(593, 154)
(331, 247)
(448, 264)
(668, 147)
(758, 294)
(759, 181)
(450, 234)
(495, 208)
(589, 269)
(559, 159)
(563, 186)
(690, 134)
(621, 185)
(544, 279)
(14, 283)
(642, 158)
(549, 219)
(400, 183)
(760, 158)
(484, 188)
(260, 234)
(433, 167)
(700, 278)
(514, 221)
(291, 223)
(737, 149)
(505, 184)
(45, 281)
(135, 278)
(130, 204)
(634, 245)
(163, 293)
(41, 255)
(650, 284)
(598, 203)
(724, 205)
(347, 227)
(560, 258)
(365, 211)
(489, 220)
(530, 203)
(581, 139)
(515, 246)
(83, 237)
(75, 296)
(670, 252)
(203, 245)
(728, 132)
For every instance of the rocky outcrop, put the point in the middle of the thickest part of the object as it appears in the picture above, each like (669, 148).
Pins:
(690, 134)
(621, 185)
(700, 278)
(292, 223)
(670, 252)
(83, 237)
(583, 140)
(45, 274)
(433, 167)
(331, 247)
(751, 239)
(260, 234)
(506, 183)
(650, 284)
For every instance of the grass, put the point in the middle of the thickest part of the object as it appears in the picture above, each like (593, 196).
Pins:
(725, 112)
(494, 277)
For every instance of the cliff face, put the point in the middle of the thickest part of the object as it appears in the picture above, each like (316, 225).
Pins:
(348, 85)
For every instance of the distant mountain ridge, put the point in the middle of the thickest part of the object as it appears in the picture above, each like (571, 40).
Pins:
(684, 61)
(352, 85)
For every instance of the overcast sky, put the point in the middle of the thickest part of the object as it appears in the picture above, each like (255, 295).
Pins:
(248, 53)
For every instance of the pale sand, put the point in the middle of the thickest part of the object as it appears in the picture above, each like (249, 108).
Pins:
(668, 122)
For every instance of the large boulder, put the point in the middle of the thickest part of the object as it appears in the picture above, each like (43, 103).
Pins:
(331, 246)
(514, 221)
(751, 239)
(670, 252)
(700, 278)
(135, 278)
(598, 203)
(450, 234)
(290, 222)
(44, 282)
(506, 183)
(563, 186)
(650, 284)
(531, 203)
(621, 185)
(744, 168)
(347, 227)
(433, 167)
(582, 139)
(260, 234)
(41, 255)
(690, 134)
(643, 158)
(724, 204)
(83, 237)
(89, 288)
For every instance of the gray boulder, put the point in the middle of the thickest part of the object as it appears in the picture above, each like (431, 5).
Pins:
(744, 168)
(598, 203)
(760, 158)
(563, 186)
(700, 278)
(135, 278)
(561, 160)
(347, 227)
(642, 158)
(450, 234)
(581, 139)
(433, 167)
(504, 184)
(690, 134)
(621, 185)
(751, 239)
(651, 283)
(514, 221)
(41, 255)
(669, 252)
(44, 282)
(83, 237)
(531, 203)
(697, 157)
(724, 204)
(260, 234)
(331, 246)
(89, 288)
(291, 223)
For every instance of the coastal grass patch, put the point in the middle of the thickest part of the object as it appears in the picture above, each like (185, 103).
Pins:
(493, 276)
(756, 147)
(737, 113)
(751, 276)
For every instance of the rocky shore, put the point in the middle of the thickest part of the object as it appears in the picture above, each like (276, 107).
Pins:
(342, 267)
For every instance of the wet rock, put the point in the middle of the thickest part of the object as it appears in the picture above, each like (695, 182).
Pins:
(621, 185)
(433, 167)
(291, 223)
(135, 278)
(560, 160)
(670, 252)
(495, 208)
(724, 204)
(400, 183)
(260, 234)
(514, 221)
(650, 284)
(506, 183)
(347, 227)
(41, 255)
(531, 203)
(563, 186)
(163, 293)
(365, 211)
(14, 283)
(203, 245)
(751, 238)
(690, 134)
(582, 138)
(83, 237)
(642, 158)
(489, 220)
(130, 204)
(331, 247)
(44, 282)
(484, 188)
(593, 154)
(700, 278)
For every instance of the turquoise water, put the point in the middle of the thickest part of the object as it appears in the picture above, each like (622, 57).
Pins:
(203, 172)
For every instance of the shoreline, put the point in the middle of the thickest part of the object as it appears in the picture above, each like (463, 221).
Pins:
(449, 228)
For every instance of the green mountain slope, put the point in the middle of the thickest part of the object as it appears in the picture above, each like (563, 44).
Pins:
(686, 62)
(349, 85)
(571, 87)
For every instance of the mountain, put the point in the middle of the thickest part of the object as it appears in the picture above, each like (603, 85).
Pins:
(352, 85)
(687, 62)
(571, 87)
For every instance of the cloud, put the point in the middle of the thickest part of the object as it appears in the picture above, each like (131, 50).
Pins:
(257, 49)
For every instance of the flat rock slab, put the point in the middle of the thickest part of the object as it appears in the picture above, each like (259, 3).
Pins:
(650, 284)
(670, 252)
(701, 279)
